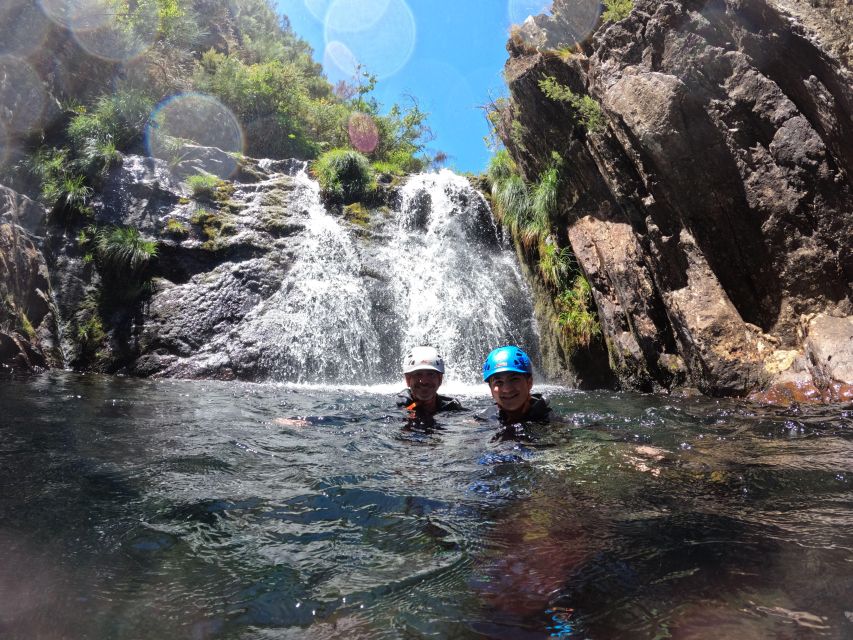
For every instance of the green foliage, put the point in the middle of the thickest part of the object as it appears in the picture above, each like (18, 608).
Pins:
(588, 110)
(26, 325)
(577, 313)
(556, 265)
(388, 168)
(501, 167)
(118, 118)
(357, 213)
(203, 185)
(513, 202)
(269, 98)
(91, 334)
(527, 211)
(123, 252)
(176, 228)
(616, 10)
(544, 198)
(344, 175)
(213, 225)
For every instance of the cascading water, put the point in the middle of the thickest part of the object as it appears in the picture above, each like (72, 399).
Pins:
(433, 271)
(457, 287)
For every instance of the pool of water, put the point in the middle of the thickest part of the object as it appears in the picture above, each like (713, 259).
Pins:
(136, 509)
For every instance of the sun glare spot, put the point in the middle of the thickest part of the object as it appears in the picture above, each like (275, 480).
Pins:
(105, 33)
(318, 8)
(363, 133)
(191, 120)
(379, 34)
(350, 16)
(338, 57)
(4, 145)
(64, 12)
(22, 95)
(23, 28)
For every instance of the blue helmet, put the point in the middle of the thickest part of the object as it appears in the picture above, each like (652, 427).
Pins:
(509, 358)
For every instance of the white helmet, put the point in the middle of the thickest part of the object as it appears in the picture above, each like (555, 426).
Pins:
(419, 358)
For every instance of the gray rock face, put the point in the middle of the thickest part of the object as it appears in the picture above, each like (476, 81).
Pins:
(714, 211)
(28, 335)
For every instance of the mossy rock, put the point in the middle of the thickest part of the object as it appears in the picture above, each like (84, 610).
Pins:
(357, 213)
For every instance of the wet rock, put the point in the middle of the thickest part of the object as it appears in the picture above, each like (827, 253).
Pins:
(714, 209)
(28, 335)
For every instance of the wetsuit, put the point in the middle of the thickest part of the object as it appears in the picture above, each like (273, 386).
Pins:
(537, 412)
(442, 403)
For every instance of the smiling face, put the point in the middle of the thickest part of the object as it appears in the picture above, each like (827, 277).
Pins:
(511, 392)
(423, 385)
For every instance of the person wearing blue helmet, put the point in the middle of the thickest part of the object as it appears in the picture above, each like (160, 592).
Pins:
(509, 374)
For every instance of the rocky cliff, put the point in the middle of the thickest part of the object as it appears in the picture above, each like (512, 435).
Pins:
(28, 321)
(710, 208)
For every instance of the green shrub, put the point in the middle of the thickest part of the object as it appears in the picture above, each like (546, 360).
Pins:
(118, 118)
(344, 175)
(588, 110)
(616, 10)
(388, 168)
(90, 334)
(203, 185)
(123, 252)
(577, 313)
(513, 202)
(501, 167)
(175, 227)
(555, 264)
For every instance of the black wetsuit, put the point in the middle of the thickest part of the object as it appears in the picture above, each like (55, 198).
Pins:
(442, 403)
(538, 412)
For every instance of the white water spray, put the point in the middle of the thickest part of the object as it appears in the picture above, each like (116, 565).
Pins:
(435, 272)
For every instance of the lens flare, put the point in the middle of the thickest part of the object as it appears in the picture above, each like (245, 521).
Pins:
(352, 16)
(190, 120)
(4, 145)
(363, 133)
(22, 95)
(65, 13)
(318, 8)
(338, 58)
(104, 32)
(23, 28)
(380, 34)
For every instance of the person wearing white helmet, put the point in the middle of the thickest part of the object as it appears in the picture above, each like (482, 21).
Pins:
(423, 370)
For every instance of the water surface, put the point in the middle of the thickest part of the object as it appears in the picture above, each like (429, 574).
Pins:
(135, 509)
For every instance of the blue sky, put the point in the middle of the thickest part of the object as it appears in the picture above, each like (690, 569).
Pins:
(448, 54)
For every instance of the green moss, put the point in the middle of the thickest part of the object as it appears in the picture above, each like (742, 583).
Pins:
(357, 213)
(214, 226)
(176, 228)
(26, 326)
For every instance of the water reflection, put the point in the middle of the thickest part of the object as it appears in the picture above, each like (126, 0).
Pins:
(640, 517)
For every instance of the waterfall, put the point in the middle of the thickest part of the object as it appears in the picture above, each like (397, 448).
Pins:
(434, 270)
